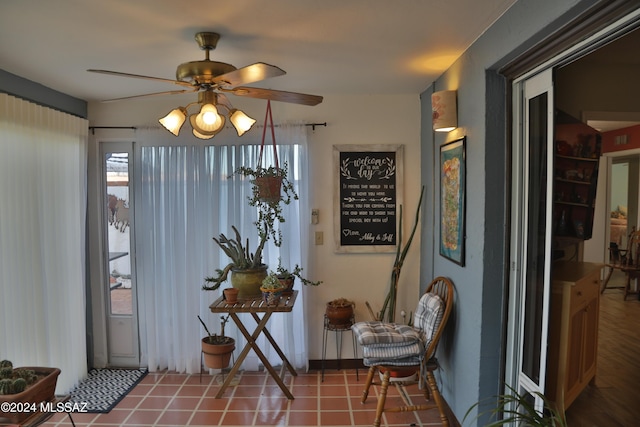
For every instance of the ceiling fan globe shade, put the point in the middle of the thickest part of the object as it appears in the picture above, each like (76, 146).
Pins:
(174, 120)
(201, 136)
(198, 124)
(208, 120)
(240, 121)
(209, 114)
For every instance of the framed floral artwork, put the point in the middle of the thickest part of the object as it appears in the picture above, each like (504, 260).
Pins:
(452, 200)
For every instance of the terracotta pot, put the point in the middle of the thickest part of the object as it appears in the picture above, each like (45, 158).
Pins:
(269, 188)
(41, 391)
(288, 283)
(248, 282)
(217, 356)
(339, 316)
(230, 295)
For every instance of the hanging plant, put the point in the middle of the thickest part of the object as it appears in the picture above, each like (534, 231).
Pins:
(271, 189)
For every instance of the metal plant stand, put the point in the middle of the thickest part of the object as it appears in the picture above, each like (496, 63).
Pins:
(338, 329)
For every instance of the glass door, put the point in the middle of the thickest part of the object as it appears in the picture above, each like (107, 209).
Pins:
(120, 281)
(531, 236)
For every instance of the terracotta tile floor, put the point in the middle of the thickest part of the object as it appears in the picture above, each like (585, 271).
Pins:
(170, 399)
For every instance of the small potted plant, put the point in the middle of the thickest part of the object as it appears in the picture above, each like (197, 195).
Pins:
(271, 289)
(288, 277)
(339, 312)
(230, 295)
(217, 349)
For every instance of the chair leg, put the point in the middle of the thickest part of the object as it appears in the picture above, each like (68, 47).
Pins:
(606, 280)
(627, 286)
(437, 398)
(367, 385)
(382, 398)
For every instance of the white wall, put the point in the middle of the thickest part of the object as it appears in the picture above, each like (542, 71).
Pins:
(351, 119)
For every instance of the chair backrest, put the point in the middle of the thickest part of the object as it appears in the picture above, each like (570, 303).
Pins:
(443, 288)
(633, 248)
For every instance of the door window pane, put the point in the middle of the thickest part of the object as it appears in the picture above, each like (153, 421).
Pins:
(536, 242)
(118, 227)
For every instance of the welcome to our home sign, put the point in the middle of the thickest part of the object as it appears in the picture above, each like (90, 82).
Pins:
(367, 197)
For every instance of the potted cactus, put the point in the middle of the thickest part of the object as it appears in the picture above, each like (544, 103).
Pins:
(246, 267)
(31, 385)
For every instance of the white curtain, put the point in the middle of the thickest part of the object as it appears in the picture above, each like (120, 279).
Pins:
(43, 160)
(184, 197)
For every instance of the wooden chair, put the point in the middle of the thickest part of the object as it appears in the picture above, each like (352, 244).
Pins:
(389, 346)
(626, 260)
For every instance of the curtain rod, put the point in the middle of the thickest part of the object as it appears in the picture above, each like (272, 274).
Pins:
(93, 128)
(313, 125)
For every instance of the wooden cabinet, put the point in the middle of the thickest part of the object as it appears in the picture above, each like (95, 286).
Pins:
(573, 330)
(576, 158)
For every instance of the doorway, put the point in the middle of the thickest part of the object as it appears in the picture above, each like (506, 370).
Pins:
(119, 277)
(575, 93)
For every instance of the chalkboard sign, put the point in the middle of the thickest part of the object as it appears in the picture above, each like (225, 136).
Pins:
(367, 197)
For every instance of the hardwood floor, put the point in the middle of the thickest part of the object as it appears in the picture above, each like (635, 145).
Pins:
(614, 399)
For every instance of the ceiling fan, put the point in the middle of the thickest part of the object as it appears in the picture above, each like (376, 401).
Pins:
(212, 80)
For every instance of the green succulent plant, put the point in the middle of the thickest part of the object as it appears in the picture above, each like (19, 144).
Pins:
(240, 255)
(6, 372)
(272, 282)
(19, 385)
(6, 386)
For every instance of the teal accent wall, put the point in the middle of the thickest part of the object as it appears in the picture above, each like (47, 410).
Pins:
(471, 353)
(41, 95)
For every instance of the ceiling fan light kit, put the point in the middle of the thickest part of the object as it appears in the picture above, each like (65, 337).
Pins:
(174, 120)
(240, 121)
(209, 78)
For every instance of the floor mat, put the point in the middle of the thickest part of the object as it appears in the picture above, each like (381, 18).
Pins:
(104, 388)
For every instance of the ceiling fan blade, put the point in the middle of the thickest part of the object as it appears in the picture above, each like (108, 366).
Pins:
(277, 95)
(249, 74)
(169, 92)
(137, 76)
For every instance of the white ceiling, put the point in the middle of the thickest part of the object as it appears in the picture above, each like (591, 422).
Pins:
(326, 47)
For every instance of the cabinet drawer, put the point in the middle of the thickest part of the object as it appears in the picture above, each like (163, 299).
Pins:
(585, 290)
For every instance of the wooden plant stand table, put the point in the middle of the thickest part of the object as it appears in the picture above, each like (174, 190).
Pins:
(255, 307)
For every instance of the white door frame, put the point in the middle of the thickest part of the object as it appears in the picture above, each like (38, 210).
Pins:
(123, 338)
(513, 357)
(522, 263)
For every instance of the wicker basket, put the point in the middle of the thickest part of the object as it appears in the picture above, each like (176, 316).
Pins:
(41, 391)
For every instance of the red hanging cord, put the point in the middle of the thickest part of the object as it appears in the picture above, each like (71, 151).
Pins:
(268, 116)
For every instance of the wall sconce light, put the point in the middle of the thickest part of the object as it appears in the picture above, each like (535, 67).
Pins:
(444, 110)
(208, 121)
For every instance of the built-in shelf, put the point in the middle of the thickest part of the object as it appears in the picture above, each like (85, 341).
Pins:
(576, 158)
